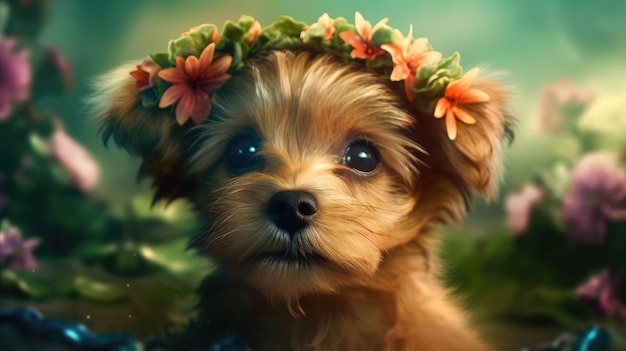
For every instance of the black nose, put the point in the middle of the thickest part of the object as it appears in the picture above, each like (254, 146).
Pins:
(292, 210)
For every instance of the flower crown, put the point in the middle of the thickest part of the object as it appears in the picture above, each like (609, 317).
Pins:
(197, 64)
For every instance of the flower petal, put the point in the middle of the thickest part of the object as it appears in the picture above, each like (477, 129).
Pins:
(400, 71)
(409, 83)
(465, 82)
(253, 32)
(418, 45)
(464, 116)
(30, 244)
(473, 96)
(202, 108)
(173, 75)
(451, 124)
(172, 94)
(219, 66)
(380, 23)
(192, 67)
(348, 36)
(206, 57)
(396, 53)
(180, 63)
(443, 105)
(185, 106)
(361, 24)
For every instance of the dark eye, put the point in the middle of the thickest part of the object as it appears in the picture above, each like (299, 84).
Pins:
(241, 154)
(361, 157)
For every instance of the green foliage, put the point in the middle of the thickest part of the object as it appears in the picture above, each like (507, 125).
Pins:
(503, 283)
(433, 78)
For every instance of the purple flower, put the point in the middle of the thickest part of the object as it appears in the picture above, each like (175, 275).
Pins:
(15, 77)
(595, 198)
(19, 252)
(519, 206)
(602, 290)
(558, 101)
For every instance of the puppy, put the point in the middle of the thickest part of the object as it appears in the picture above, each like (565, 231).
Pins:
(320, 189)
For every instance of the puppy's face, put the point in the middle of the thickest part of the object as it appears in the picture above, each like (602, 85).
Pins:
(309, 171)
(307, 174)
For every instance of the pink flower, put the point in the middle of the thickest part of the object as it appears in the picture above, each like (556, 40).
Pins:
(18, 251)
(193, 81)
(602, 290)
(82, 168)
(519, 206)
(324, 22)
(408, 56)
(459, 93)
(596, 197)
(15, 77)
(362, 42)
(559, 101)
(145, 75)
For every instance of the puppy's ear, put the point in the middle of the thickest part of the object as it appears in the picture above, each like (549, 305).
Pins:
(146, 131)
(472, 162)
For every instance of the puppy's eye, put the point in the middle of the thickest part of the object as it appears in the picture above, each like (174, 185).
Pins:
(241, 154)
(361, 157)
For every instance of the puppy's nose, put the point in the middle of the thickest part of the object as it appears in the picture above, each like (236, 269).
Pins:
(292, 210)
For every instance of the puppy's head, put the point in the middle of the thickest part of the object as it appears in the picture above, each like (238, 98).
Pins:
(309, 172)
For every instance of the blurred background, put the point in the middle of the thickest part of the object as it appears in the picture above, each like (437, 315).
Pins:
(547, 255)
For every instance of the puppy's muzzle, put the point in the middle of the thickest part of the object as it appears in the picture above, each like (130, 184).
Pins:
(292, 210)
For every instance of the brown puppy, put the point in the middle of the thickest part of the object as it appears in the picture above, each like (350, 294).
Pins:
(320, 189)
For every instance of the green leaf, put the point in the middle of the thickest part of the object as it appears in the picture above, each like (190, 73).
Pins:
(174, 258)
(161, 59)
(384, 35)
(8, 279)
(315, 35)
(342, 25)
(37, 288)
(93, 250)
(97, 291)
(232, 31)
(283, 34)
(5, 11)
(196, 40)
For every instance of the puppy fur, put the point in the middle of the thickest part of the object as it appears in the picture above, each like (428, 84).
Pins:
(366, 276)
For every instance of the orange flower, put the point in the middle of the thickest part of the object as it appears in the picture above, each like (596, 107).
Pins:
(145, 75)
(254, 32)
(325, 22)
(193, 80)
(408, 56)
(459, 93)
(362, 42)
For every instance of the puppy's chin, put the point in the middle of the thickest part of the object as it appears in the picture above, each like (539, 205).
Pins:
(288, 278)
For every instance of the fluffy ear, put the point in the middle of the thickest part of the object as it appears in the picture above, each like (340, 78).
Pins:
(455, 169)
(149, 132)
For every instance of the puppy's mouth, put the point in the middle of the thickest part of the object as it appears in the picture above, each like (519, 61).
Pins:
(290, 257)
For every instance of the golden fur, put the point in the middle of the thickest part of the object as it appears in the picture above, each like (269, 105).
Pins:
(377, 285)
